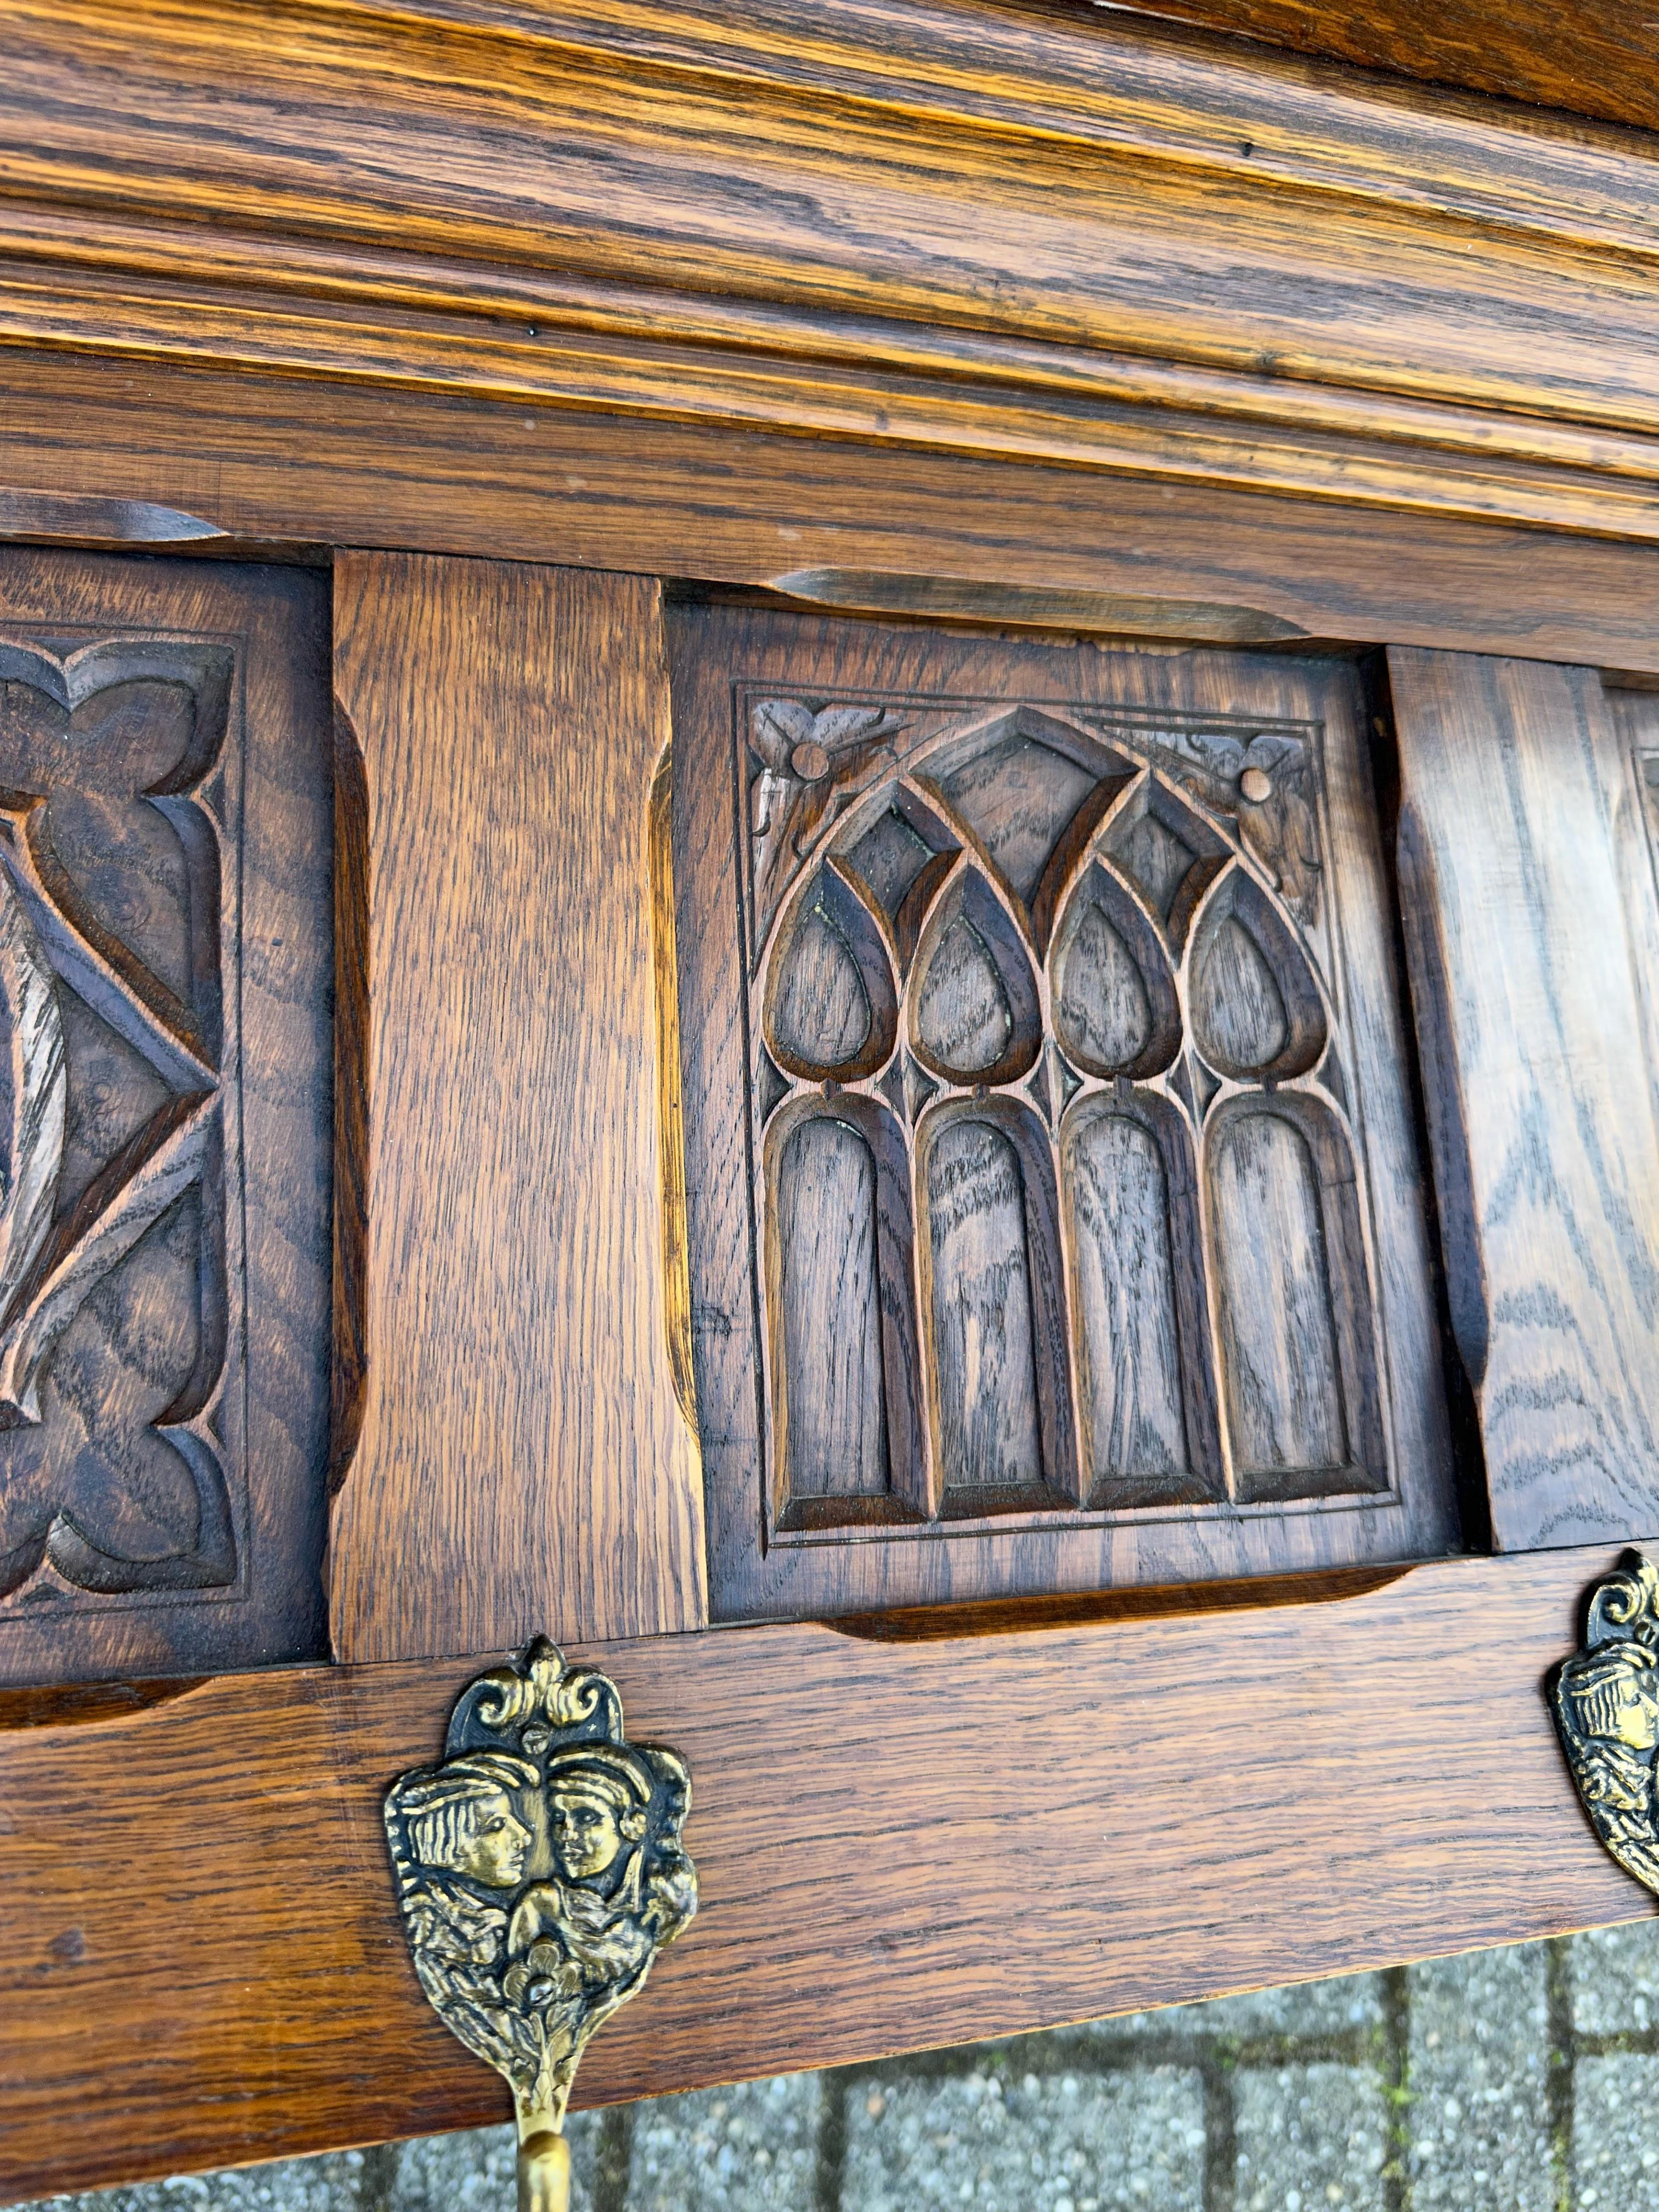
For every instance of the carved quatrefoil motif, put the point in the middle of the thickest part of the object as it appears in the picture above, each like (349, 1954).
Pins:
(113, 1300)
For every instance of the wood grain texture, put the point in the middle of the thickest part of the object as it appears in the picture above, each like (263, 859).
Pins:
(670, 1119)
(446, 472)
(979, 1270)
(164, 747)
(1590, 56)
(522, 1462)
(1377, 1775)
(1284, 1286)
(1532, 932)
(976, 800)
(1130, 1218)
(835, 1419)
(963, 225)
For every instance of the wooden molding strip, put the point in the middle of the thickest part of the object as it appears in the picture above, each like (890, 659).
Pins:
(900, 1844)
(960, 227)
(1100, 412)
(274, 458)
(78, 519)
(1132, 91)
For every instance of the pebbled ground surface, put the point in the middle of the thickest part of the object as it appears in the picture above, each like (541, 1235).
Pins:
(1515, 2081)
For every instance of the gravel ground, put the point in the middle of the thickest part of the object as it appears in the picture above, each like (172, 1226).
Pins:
(1517, 2081)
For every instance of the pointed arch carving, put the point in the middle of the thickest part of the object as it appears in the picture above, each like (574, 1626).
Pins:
(1046, 942)
(1114, 1200)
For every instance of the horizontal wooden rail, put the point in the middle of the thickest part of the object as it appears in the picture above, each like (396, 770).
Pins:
(901, 1843)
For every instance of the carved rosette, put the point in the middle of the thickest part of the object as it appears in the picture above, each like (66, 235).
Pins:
(539, 1870)
(810, 764)
(1263, 781)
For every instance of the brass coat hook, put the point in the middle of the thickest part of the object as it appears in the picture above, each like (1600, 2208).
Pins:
(539, 1871)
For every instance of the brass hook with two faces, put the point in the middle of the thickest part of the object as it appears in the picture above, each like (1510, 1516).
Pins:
(539, 1869)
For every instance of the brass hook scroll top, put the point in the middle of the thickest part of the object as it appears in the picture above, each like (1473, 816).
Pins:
(539, 1871)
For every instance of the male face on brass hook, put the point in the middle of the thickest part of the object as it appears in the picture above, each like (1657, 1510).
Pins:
(1614, 1693)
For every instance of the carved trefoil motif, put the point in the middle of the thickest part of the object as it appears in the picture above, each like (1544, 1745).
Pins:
(1061, 1179)
(119, 813)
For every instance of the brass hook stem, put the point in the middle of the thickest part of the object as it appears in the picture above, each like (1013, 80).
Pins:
(544, 2173)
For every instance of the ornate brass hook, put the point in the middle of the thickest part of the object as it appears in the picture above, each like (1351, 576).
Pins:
(539, 1871)
(1605, 1701)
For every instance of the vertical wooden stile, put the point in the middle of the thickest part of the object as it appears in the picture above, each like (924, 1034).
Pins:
(523, 1464)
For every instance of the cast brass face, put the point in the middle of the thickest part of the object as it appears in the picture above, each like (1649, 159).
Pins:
(1606, 1699)
(539, 1871)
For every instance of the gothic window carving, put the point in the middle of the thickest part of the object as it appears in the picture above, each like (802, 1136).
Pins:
(1061, 1194)
(1069, 1001)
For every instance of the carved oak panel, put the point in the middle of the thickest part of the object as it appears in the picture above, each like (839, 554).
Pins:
(1042, 1047)
(166, 949)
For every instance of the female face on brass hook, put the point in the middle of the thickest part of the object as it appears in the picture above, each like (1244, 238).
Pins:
(1636, 1711)
(583, 1823)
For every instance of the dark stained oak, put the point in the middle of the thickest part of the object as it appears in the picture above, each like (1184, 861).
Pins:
(521, 1461)
(899, 1844)
(836, 1416)
(1054, 1217)
(995, 314)
(1131, 1203)
(988, 1347)
(166, 968)
(1532, 932)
